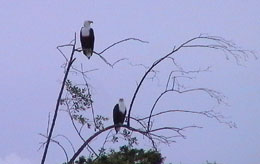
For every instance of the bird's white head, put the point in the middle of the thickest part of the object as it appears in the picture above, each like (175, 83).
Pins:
(87, 23)
(121, 104)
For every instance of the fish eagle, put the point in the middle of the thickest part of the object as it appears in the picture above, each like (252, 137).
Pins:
(87, 39)
(119, 114)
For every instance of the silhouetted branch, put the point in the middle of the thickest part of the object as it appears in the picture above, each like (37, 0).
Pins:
(146, 68)
(88, 89)
(70, 62)
(111, 64)
(145, 124)
(121, 41)
(149, 134)
(76, 129)
(218, 43)
(112, 45)
(208, 113)
(67, 139)
(54, 141)
(105, 141)
(79, 134)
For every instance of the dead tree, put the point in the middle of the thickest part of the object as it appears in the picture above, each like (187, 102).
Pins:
(68, 67)
(79, 99)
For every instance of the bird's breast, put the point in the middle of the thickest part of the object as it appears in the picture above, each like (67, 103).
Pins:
(85, 31)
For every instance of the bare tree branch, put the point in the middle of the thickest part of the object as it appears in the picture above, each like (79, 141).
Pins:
(112, 45)
(208, 113)
(71, 60)
(145, 124)
(67, 139)
(148, 134)
(79, 134)
(121, 41)
(54, 141)
(219, 43)
(111, 64)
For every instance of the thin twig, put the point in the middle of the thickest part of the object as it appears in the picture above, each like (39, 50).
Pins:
(67, 139)
(58, 102)
(112, 45)
(54, 141)
(219, 44)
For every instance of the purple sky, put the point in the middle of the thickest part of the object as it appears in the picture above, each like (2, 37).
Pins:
(31, 72)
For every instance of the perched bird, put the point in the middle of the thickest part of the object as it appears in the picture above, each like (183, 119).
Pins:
(87, 39)
(119, 114)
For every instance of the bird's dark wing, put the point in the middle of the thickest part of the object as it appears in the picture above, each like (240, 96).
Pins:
(83, 42)
(81, 39)
(91, 39)
(124, 115)
(115, 116)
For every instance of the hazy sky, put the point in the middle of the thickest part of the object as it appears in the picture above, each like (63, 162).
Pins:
(31, 72)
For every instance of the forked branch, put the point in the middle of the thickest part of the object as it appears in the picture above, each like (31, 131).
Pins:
(70, 62)
(151, 135)
(68, 66)
(217, 43)
(109, 47)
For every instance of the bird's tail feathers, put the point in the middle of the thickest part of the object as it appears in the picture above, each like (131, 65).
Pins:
(88, 53)
(117, 129)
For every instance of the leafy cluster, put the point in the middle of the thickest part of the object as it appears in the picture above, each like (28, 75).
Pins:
(126, 155)
(79, 99)
(81, 119)
(127, 136)
(99, 121)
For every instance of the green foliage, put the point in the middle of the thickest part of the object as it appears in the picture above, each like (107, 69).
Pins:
(128, 137)
(81, 119)
(77, 101)
(126, 155)
(79, 98)
(99, 120)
